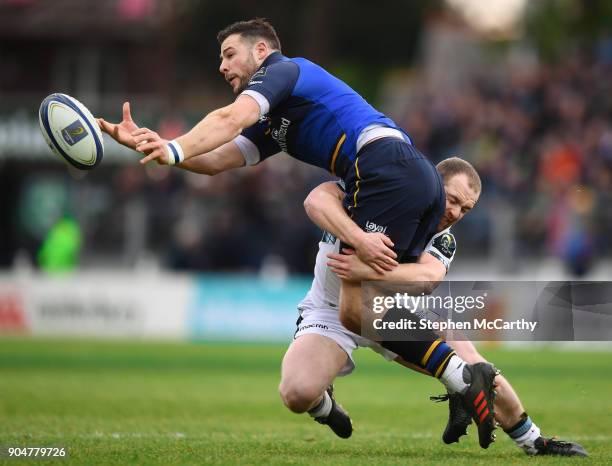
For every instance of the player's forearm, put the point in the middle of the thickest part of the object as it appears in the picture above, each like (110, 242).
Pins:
(427, 275)
(216, 129)
(201, 164)
(407, 273)
(325, 209)
(226, 157)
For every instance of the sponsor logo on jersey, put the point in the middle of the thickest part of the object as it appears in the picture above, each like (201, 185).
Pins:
(371, 227)
(74, 132)
(261, 72)
(445, 244)
(280, 134)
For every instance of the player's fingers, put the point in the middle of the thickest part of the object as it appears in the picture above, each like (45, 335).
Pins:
(104, 126)
(390, 262)
(334, 264)
(384, 265)
(340, 273)
(140, 131)
(150, 146)
(348, 251)
(390, 253)
(377, 268)
(144, 137)
(386, 260)
(335, 256)
(127, 116)
(152, 156)
(339, 265)
(387, 240)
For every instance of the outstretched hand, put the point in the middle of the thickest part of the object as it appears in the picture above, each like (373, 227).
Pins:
(121, 132)
(129, 134)
(152, 145)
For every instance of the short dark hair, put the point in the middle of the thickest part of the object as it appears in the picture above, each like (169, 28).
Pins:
(456, 166)
(257, 28)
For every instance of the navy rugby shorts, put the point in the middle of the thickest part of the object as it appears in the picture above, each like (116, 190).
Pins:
(394, 189)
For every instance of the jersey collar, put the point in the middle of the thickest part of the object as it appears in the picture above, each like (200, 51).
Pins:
(273, 58)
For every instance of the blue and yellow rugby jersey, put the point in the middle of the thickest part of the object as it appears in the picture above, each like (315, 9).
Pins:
(307, 113)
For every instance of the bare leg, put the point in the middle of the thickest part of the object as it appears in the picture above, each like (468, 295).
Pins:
(350, 306)
(310, 365)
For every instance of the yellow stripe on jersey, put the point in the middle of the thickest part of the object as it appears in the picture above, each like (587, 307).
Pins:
(357, 183)
(332, 165)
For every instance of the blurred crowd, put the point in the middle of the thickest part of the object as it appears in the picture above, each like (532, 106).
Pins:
(541, 138)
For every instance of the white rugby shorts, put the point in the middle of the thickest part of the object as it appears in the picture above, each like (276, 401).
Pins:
(326, 322)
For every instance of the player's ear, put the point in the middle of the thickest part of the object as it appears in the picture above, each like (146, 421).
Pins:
(261, 49)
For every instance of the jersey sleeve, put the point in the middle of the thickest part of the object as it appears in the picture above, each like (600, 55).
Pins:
(272, 84)
(256, 144)
(443, 246)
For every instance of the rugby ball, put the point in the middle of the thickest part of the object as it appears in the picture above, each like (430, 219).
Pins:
(71, 131)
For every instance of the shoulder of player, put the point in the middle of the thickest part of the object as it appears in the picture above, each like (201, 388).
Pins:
(444, 241)
(285, 65)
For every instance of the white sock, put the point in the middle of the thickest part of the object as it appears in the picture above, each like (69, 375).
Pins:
(526, 435)
(323, 408)
(452, 377)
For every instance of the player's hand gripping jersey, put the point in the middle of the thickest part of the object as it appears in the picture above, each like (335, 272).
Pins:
(324, 292)
(315, 117)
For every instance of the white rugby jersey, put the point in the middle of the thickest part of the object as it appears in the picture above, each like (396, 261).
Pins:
(324, 292)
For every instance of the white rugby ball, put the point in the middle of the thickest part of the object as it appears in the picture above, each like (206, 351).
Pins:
(71, 131)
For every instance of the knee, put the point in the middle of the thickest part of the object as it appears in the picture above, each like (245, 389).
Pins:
(298, 398)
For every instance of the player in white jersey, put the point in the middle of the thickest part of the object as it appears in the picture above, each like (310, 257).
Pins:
(319, 308)
(322, 348)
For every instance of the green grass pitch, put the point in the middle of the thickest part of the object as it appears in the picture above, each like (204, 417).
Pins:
(116, 402)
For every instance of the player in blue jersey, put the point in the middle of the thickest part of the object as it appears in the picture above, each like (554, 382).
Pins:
(394, 193)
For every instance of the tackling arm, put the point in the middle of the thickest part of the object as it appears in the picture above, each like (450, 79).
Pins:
(428, 271)
(324, 207)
